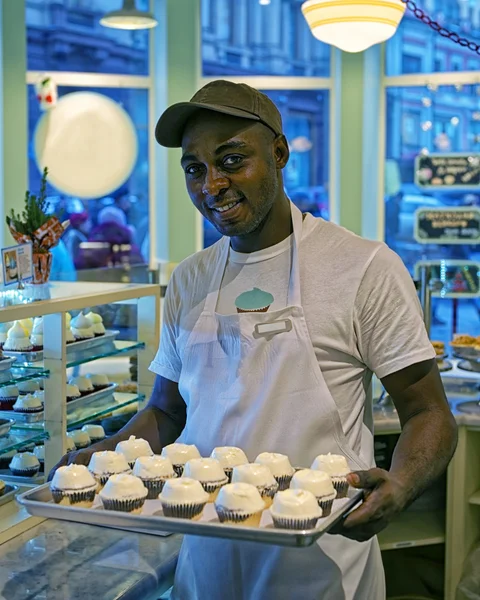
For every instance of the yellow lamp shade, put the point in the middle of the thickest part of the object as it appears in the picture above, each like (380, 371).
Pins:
(353, 25)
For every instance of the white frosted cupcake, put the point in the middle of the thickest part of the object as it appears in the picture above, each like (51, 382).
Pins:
(99, 382)
(81, 439)
(337, 467)
(97, 323)
(28, 404)
(83, 384)
(25, 464)
(133, 448)
(81, 327)
(154, 471)
(261, 477)
(320, 484)
(95, 432)
(36, 336)
(28, 387)
(72, 392)
(8, 396)
(104, 464)
(70, 444)
(4, 328)
(17, 339)
(180, 454)
(209, 473)
(279, 466)
(183, 498)
(73, 486)
(229, 457)
(125, 493)
(239, 504)
(295, 509)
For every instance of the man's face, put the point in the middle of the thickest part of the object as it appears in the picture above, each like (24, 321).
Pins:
(231, 170)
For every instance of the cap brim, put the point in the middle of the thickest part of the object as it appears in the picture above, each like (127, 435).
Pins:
(170, 126)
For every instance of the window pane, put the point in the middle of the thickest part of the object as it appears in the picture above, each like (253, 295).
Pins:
(244, 37)
(305, 115)
(444, 120)
(130, 201)
(66, 35)
(416, 48)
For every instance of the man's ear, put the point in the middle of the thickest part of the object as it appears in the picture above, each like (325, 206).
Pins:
(281, 151)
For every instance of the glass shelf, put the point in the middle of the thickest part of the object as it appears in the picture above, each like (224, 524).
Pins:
(18, 438)
(10, 377)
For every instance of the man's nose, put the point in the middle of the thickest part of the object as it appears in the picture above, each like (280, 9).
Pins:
(215, 183)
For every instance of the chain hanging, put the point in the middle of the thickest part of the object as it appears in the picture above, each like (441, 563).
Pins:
(451, 35)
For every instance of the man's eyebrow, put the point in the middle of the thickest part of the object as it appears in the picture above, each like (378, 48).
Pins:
(233, 145)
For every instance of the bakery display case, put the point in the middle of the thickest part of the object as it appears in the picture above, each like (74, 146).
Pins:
(49, 369)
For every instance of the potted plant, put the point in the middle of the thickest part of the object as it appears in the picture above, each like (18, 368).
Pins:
(34, 226)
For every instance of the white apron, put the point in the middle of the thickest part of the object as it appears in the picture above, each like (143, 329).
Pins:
(258, 386)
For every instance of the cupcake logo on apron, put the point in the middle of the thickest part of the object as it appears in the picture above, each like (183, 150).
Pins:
(254, 301)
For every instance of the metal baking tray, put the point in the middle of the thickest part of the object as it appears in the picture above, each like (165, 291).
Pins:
(23, 418)
(5, 425)
(38, 502)
(6, 362)
(9, 494)
(36, 480)
(29, 357)
(83, 401)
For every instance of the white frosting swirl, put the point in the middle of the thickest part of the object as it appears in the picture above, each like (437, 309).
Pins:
(81, 326)
(153, 467)
(28, 402)
(24, 460)
(94, 431)
(254, 474)
(83, 383)
(240, 497)
(183, 491)
(74, 478)
(317, 482)
(124, 487)
(229, 456)
(296, 504)
(106, 462)
(278, 464)
(179, 454)
(17, 339)
(133, 448)
(205, 470)
(333, 464)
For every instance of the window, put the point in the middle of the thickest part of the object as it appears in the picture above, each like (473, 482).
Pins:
(65, 35)
(248, 38)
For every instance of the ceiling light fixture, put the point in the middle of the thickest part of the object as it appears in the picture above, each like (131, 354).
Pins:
(128, 17)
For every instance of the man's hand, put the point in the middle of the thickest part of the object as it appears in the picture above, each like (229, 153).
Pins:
(384, 498)
(78, 457)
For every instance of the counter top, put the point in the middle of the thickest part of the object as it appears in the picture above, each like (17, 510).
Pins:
(81, 562)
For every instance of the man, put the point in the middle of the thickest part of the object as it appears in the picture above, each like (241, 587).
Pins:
(269, 341)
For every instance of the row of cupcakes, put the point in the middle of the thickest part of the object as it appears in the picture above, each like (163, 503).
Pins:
(27, 335)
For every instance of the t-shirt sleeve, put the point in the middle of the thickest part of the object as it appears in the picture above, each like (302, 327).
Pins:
(167, 362)
(388, 318)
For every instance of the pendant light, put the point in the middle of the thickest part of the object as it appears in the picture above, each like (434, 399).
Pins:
(128, 17)
(353, 25)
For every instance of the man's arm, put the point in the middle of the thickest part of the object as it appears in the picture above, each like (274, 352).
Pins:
(425, 447)
(160, 423)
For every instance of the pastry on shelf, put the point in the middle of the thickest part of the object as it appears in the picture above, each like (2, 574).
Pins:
(4, 328)
(28, 405)
(8, 396)
(95, 432)
(72, 392)
(99, 381)
(17, 339)
(70, 444)
(25, 464)
(81, 327)
(83, 383)
(28, 387)
(80, 438)
(129, 387)
(463, 340)
(36, 337)
(97, 323)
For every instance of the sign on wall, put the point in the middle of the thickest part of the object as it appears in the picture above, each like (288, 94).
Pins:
(459, 278)
(447, 225)
(447, 171)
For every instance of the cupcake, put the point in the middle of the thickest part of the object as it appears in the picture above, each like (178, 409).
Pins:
(279, 466)
(261, 477)
(229, 457)
(4, 328)
(254, 301)
(95, 432)
(239, 504)
(125, 493)
(28, 387)
(72, 392)
(81, 327)
(8, 396)
(84, 385)
(133, 448)
(70, 444)
(154, 471)
(439, 348)
(183, 498)
(104, 464)
(27, 325)
(6, 458)
(36, 336)
(99, 382)
(463, 340)
(97, 323)
(73, 486)
(39, 452)
(209, 472)
(295, 509)
(17, 340)
(69, 337)
(321, 486)
(179, 454)
(81, 439)
(337, 467)
(25, 464)
(28, 404)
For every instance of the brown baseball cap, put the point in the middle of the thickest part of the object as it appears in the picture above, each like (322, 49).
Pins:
(236, 99)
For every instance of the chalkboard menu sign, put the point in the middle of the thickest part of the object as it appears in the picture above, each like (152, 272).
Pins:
(459, 278)
(447, 225)
(447, 171)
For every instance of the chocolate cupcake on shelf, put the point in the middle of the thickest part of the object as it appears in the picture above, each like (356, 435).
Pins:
(73, 485)
(4, 328)
(28, 405)
(124, 493)
(321, 486)
(84, 385)
(180, 454)
(337, 467)
(82, 328)
(295, 509)
(239, 504)
(28, 387)
(8, 396)
(72, 392)
(97, 323)
(279, 466)
(106, 463)
(25, 464)
(261, 477)
(17, 339)
(80, 438)
(183, 498)
(36, 337)
(133, 448)
(209, 472)
(229, 457)
(154, 471)
(99, 381)
(95, 432)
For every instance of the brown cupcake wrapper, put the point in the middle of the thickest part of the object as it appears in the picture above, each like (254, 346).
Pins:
(122, 505)
(326, 506)
(224, 514)
(213, 486)
(75, 497)
(341, 485)
(183, 511)
(7, 403)
(25, 472)
(253, 310)
(104, 477)
(269, 492)
(28, 411)
(283, 482)
(154, 487)
(178, 470)
(297, 524)
(94, 440)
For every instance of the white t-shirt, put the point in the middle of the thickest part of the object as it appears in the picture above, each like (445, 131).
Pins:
(360, 305)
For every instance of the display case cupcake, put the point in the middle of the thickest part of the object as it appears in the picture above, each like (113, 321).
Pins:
(154, 471)
(183, 498)
(337, 467)
(99, 381)
(81, 328)
(229, 457)
(95, 432)
(104, 464)
(254, 301)
(8, 396)
(180, 454)
(133, 448)
(124, 493)
(295, 509)
(209, 472)
(239, 504)
(73, 486)
(321, 486)
(25, 464)
(261, 477)
(36, 337)
(28, 404)
(17, 339)
(97, 323)
(80, 438)
(4, 328)
(84, 385)
(70, 444)
(28, 387)
(279, 466)
(72, 392)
